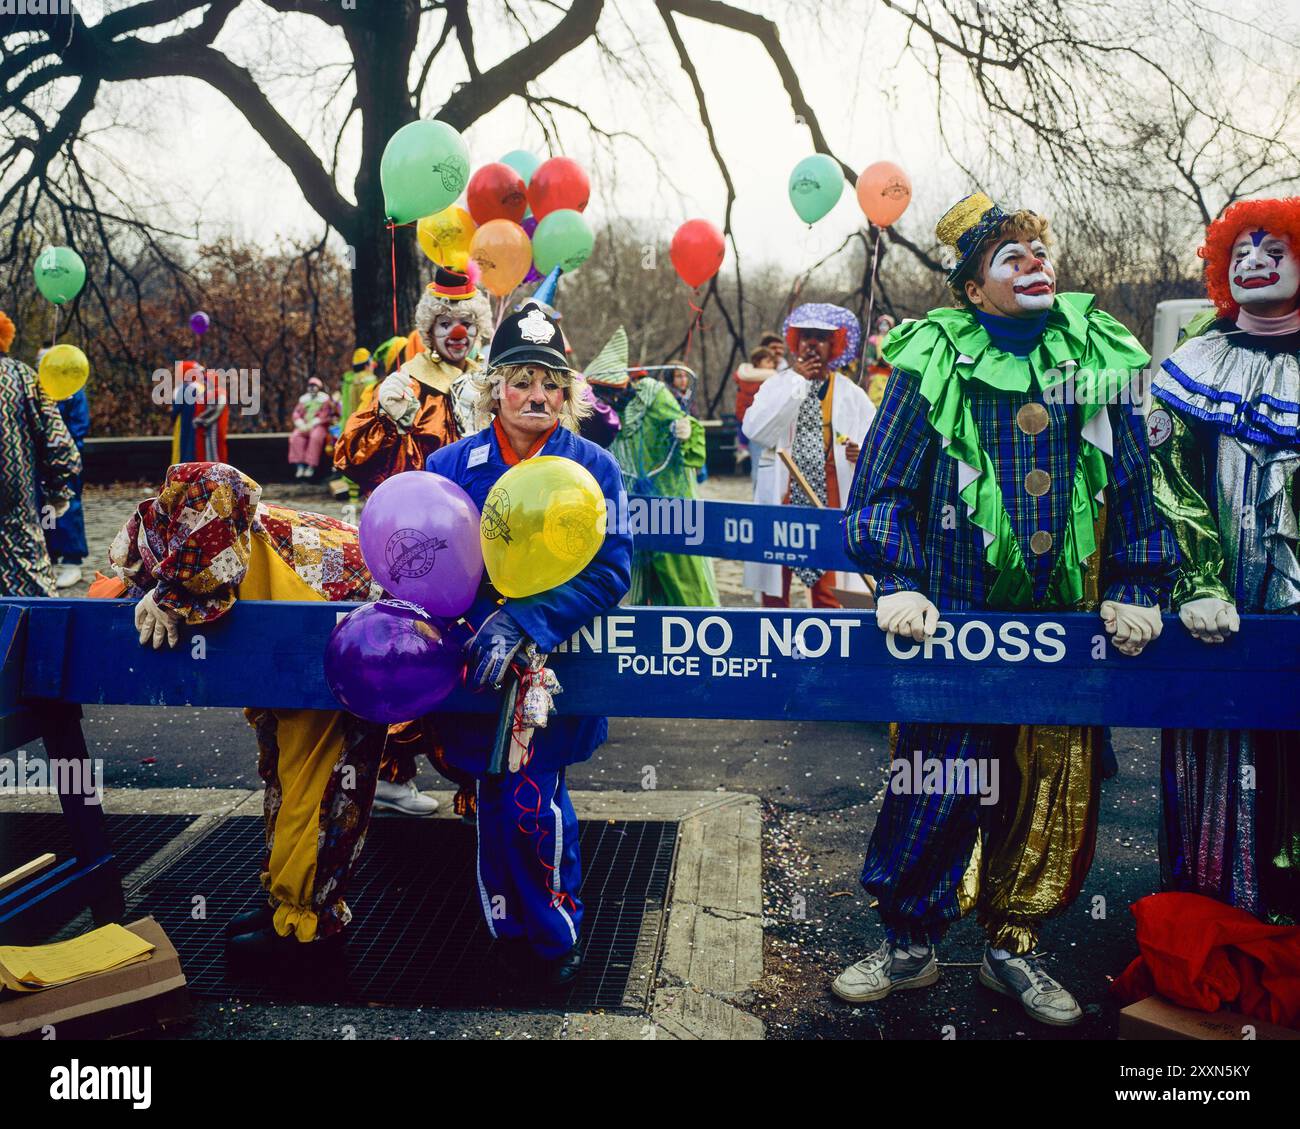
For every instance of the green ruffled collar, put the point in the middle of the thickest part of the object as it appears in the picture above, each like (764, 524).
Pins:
(1067, 343)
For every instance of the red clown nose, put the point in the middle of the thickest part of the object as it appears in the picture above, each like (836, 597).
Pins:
(457, 333)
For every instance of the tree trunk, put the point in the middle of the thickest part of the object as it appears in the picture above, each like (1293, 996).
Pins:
(381, 48)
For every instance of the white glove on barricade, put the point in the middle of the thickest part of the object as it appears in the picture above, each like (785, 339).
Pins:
(156, 624)
(1210, 619)
(682, 428)
(907, 613)
(1132, 625)
(397, 401)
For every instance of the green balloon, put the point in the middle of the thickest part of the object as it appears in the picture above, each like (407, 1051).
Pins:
(815, 186)
(424, 168)
(60, 274)
(563, 239)
(523, 162)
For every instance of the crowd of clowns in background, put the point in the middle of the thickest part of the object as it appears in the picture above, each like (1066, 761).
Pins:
(967, 482)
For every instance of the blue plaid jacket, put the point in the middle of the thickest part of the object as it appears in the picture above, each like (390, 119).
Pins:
(905, 524)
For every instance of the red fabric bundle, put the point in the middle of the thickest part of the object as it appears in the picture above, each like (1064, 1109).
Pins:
(1202, 954)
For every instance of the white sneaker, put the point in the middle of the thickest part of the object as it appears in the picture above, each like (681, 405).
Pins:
(1023, 978)
(874, 977)
(405, 798)
(67, 576)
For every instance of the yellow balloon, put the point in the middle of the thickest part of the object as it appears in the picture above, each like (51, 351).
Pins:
(445, 236)
(542, 523)
(63, 371)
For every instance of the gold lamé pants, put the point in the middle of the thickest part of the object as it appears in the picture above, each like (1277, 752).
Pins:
(934, 857)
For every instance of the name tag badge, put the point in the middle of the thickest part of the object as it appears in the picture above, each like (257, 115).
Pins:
(477, 457)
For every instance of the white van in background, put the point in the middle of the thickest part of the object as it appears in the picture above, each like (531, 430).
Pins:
(1171, 317)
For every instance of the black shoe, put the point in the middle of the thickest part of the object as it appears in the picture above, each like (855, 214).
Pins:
(264, 951)
(560, 972)
(250, 921)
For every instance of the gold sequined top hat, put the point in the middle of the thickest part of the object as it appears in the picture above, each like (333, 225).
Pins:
(965, 227)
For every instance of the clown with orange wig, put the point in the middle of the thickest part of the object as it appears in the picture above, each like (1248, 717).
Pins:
(1226, 455)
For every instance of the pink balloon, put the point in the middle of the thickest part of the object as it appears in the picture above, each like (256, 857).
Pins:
(419, 536)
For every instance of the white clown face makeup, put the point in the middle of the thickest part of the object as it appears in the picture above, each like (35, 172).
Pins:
(1263, 270)
(1027, 270)
(1019, 280)
(453, 337)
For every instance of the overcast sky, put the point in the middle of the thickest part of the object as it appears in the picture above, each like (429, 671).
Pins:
(872, 101)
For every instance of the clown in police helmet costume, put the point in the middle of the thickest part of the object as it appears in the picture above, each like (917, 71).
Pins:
(528, 863)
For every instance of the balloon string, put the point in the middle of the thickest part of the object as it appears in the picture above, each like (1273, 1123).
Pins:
(55, 339)
(871, 302)
(392, 245)
(696, 320)
(871, 285)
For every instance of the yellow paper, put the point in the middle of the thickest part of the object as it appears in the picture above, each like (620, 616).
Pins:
(30, 968)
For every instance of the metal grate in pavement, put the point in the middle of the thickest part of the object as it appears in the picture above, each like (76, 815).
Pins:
(417, 938)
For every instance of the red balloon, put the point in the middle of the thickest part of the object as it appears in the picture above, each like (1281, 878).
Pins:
(558, 183)
(497, 192)
(697, 251)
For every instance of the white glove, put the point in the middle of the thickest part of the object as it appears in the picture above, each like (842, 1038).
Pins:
(156, 624)
(907, 613)
(397, 401)
(1210, 619)
(1132, 625)
(58, 509)
(301, 425)
(682, 428)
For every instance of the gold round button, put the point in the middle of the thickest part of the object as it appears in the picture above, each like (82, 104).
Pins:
(1040, 542)
(1032, 418)
(1038, 483)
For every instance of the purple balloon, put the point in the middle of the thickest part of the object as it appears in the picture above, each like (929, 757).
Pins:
(529, 224)
(389, 662)
(199, 322)
(419, 536)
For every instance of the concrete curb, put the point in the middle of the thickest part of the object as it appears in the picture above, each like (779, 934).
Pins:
(699, 961)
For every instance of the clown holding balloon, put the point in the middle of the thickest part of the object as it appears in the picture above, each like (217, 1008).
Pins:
(544, 493)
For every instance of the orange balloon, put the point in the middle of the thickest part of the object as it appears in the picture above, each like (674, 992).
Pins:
(503, 253)
(884, 191)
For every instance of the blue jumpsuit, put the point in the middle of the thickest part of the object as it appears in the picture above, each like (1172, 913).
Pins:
(528, 865)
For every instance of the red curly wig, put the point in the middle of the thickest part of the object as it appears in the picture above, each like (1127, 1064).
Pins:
(1282, 217)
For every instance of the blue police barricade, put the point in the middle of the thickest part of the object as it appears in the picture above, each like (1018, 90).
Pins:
(658, 662)
(795, 536)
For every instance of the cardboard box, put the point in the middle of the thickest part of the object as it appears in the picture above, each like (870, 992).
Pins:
(122, 1001)
(1157, 1018)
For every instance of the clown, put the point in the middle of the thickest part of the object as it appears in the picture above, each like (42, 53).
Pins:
(431, 400)
(1226, 457)
(312, 416)
(660, 449)
(528, 864)
(980, 488)
(187, 556)
(821, 417)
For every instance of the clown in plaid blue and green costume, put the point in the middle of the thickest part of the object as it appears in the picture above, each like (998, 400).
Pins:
(1002, 474)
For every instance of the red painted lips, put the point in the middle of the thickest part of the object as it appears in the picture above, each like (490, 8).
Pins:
(1256, 282)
